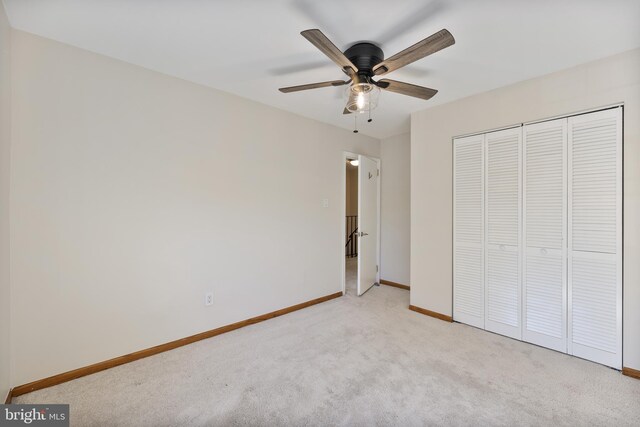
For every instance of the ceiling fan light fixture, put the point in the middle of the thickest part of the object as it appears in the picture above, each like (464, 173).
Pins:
(364, 60)
(362, 97)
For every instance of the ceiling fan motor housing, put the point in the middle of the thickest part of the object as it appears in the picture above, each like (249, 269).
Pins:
(364, 56)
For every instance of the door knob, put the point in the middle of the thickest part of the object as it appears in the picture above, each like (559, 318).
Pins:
(362, 234)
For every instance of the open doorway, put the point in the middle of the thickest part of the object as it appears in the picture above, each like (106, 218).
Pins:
(351, 226)
(361, 223)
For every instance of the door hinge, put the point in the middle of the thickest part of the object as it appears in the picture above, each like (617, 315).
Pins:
(376, 268)
(378, 172)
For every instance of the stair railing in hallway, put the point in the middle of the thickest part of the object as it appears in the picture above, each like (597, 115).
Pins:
(351, 247)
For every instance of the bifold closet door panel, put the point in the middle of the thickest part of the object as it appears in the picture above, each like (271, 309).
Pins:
(595, 236)
(544, 276)
(502, 225)
(468, 230)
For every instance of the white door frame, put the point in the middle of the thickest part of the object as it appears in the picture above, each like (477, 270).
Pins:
(343, 211)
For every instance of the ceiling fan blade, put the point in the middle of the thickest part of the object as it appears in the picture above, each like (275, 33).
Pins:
(431, 44)
(319, 40)
(313, 86)
(406, 89)
(346, 111)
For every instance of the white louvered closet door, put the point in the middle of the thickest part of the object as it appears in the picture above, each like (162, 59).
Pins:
(468, 230)
(502, 225)
(595, 236)
(544, 284)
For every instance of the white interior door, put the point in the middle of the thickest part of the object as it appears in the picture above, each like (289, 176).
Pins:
(368, 179)
(595, 236)
(502, 224)
(468, 230)
(544, 283)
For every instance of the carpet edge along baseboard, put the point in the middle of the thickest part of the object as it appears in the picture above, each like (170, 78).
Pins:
(630, 372)
(121, 360)
(394, 284)
(431, 313)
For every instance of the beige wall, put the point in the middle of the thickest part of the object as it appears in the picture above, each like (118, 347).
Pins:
(600, 83)
(395, 207)
(135, 193)
(352, 190)
(5, 154)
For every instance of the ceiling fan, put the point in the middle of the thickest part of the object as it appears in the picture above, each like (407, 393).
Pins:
(363, 61)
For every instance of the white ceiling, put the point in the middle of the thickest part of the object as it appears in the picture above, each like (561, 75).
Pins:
(252, 47)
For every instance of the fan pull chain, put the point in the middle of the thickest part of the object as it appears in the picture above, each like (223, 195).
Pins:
(355, 121)
(370, 119)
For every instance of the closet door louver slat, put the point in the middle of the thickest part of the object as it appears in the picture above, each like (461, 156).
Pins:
(544, 283)
(468, 231)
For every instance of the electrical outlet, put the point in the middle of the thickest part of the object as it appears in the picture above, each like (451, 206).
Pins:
(208, 299)
(325, 203)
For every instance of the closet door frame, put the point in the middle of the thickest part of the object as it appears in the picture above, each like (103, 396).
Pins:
(576, 349)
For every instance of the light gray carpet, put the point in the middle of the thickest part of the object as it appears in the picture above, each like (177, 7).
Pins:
(353, 361)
